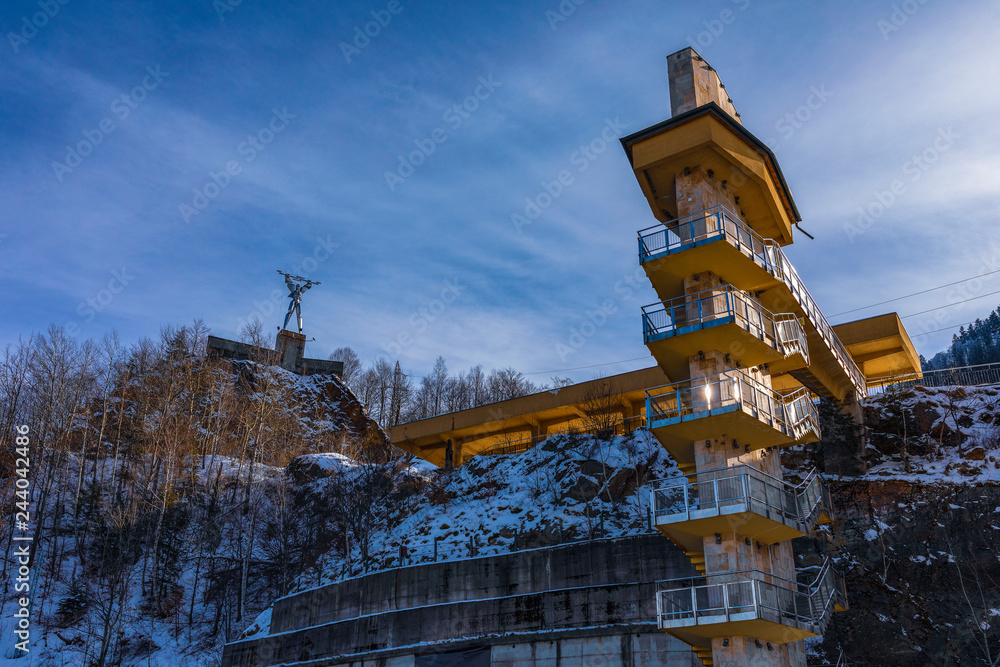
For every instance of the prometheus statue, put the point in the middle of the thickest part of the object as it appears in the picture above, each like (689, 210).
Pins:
(295, 292)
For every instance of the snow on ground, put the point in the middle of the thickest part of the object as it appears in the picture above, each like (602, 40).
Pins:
(962, 424)
(562, 490)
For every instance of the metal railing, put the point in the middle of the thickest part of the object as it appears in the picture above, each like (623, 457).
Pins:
(749, 595)
(791, 335)
(967, 376)
(521, 445)
(793, 414)
(697, 309)
(701, 227)
(782, 269)
(719, 223)
(741, 488)
(801, 413)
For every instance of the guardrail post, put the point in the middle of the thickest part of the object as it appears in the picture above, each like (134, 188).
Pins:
(725, 599)
(687, 501)
(746, 491)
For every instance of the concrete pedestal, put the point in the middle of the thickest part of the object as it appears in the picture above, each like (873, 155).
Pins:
(291, 348)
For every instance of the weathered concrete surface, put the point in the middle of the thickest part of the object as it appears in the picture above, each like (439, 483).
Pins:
(287, 354)
(584, 597)
(693, 83)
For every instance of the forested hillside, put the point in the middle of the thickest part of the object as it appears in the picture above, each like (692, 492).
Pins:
(979, 343)
(161, 519)
(173, 498)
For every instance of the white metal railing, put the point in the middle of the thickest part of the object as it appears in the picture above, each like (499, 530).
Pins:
(793, 414)
(749, 595)
(801, 413)
(782, 269)
(740, 488)
(791, 335)
(938, 377)
(719, 223)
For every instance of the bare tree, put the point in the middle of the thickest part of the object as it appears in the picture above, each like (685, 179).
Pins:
(604, 405)
(353, 370)
(507, 383)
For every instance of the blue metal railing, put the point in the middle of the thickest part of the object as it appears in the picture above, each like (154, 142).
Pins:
(793, 414)
(699, 309)
(698, 228)
(719, 223)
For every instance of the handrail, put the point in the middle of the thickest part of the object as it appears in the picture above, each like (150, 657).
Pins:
(783, 269)
(736, 485)
(729, 593)
(700, 227)
(791, 335)
(731, 387)
(787, 412)
(719, 222)
(706, 306)
(757, 471)
(521, 445)
(939, 377)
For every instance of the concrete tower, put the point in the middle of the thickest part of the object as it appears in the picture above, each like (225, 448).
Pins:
(747, 350)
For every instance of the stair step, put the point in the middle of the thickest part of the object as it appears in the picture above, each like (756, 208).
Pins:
(703, 654)
(698, 560)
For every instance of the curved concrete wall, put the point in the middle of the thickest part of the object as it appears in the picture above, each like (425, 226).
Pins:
(545, 606)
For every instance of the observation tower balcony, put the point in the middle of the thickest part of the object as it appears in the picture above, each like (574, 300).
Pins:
(750, 603)
(718, 239)
(739, 499)
(723, 318)
(732, 403)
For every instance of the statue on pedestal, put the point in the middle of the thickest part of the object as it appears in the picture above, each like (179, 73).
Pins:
(295, 292)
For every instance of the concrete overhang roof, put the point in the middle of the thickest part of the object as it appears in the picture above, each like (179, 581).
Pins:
(427, 438)
(880, 347)
(711, 138)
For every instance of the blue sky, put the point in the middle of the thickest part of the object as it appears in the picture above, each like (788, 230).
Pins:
(163, 159)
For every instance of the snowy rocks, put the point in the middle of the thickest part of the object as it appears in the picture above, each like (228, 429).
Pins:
(975, 454)
(585, 490)
(311, 467)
